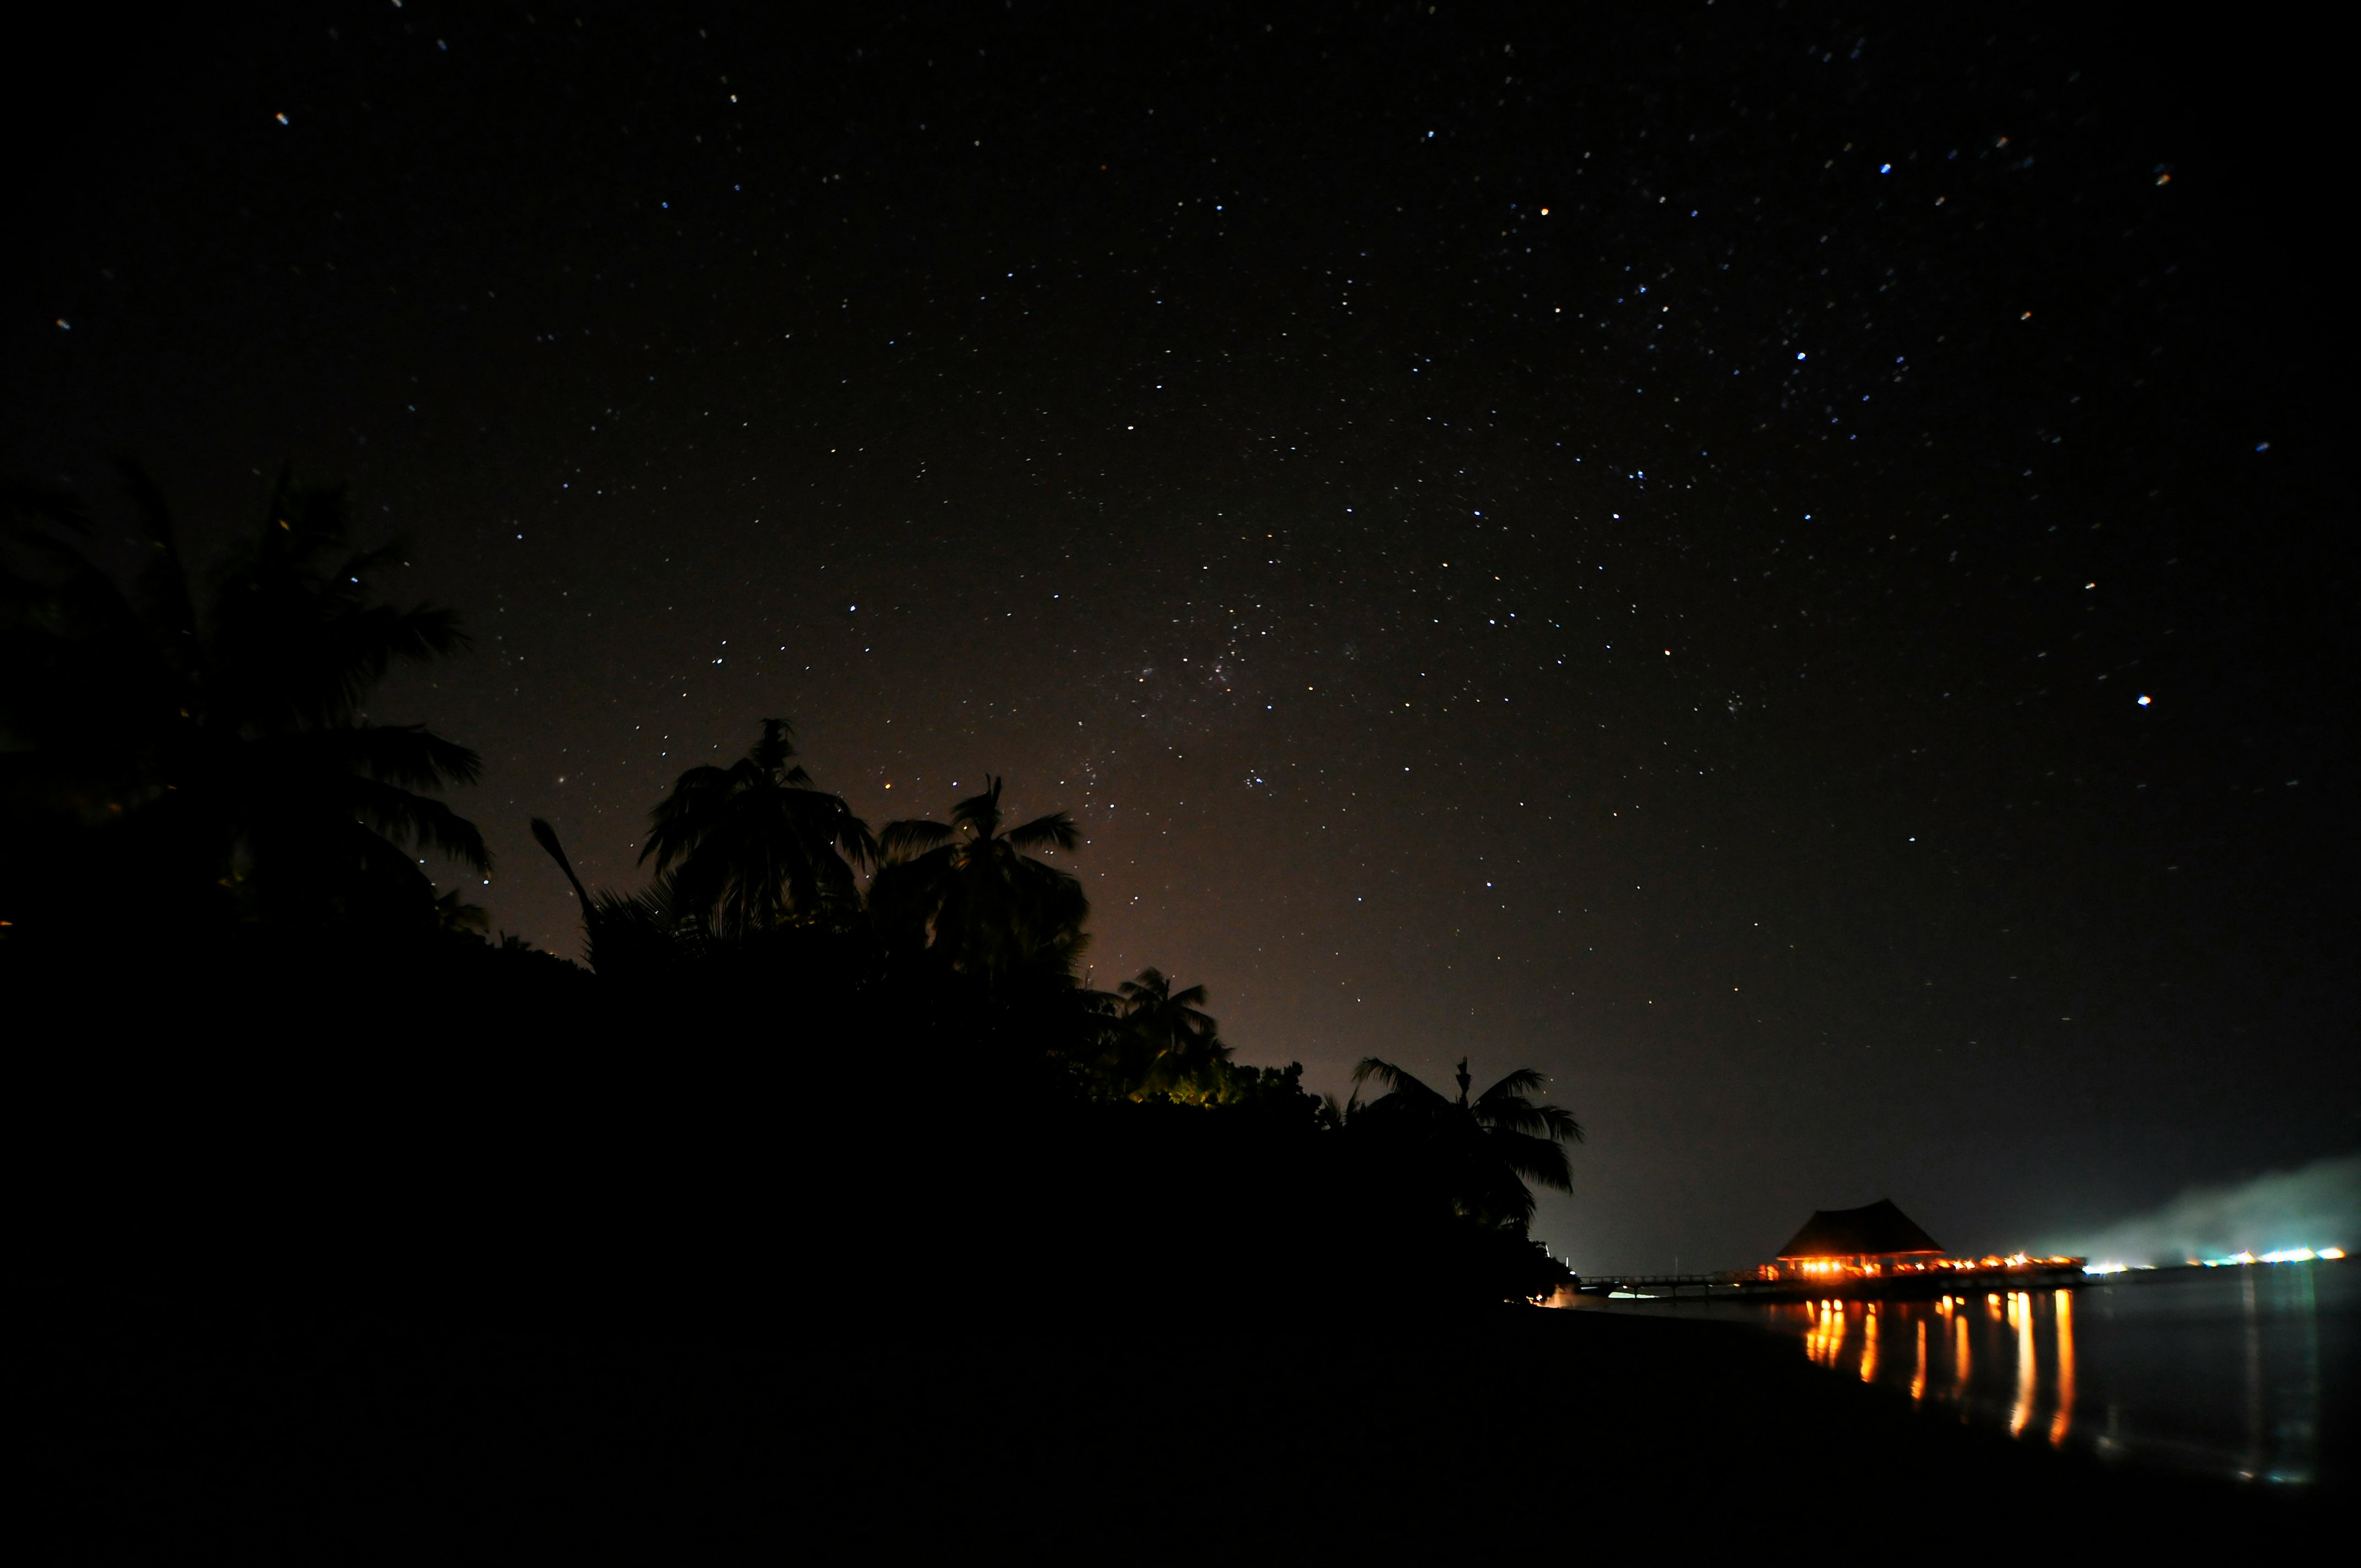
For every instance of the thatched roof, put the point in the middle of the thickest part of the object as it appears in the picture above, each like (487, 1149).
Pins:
(1878, 1229)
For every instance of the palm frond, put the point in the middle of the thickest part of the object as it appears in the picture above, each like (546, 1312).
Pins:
(425, 821)
(361, 563)
(677, 819)
(454, 913)
(546, 836)
(1514, 1113)
(1535, 1159)
(1397, 1079)
(1150, 987)
(905, 841)
(384, 633)
(1558, 1123)
(345, 649)
(637, 935)
(1056, 830)
(1524, 1080)
(829, 820)
(979, 814)
(410, 755)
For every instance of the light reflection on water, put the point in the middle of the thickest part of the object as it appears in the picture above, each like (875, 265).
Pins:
(2227, 1371)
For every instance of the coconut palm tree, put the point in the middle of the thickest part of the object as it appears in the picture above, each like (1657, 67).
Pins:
(1166, 1043)
(753, 846)
(1481, 1152)
(215, 748)
(969, 892)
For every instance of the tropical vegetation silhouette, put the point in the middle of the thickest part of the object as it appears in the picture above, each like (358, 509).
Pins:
(753, 846)
(971, 893)
(190, 772)
(1480, 1153)
(200, 749)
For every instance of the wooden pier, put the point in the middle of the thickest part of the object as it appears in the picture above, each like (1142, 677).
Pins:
(1912, 1285)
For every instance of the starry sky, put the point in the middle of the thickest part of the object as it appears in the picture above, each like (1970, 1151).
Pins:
(1779, 569)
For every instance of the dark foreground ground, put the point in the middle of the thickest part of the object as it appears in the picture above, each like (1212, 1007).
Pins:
(350, 1299)
(233, 1431)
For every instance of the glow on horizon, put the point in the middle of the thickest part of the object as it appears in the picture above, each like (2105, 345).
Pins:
(2235, 1260)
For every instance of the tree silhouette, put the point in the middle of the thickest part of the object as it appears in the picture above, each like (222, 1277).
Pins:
(753, 846)
(969, 892)
(626, 935)
(227, 757)
(1480, 1153)
(1165, 1043)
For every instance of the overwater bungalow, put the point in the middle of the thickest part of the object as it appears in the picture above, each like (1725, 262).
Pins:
(1874, 1251)
(1875, 1240)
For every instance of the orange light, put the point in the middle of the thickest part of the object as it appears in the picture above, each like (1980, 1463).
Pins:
(2020, 1313)
(2064, 1420)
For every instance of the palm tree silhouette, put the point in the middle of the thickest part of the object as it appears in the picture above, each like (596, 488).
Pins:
(1483, 1151)
(1167, 1042)
(754, 845)
(969, 892)
(234, 747)
(628, 935)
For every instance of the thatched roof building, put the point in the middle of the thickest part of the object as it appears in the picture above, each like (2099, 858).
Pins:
(1878, 1229)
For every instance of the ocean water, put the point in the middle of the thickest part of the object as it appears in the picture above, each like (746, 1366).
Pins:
(2251, 1373)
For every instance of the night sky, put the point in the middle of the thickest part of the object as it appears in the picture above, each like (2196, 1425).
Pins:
(1782, 571)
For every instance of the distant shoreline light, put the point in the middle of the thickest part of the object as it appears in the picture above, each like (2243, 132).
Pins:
(2236, 1260)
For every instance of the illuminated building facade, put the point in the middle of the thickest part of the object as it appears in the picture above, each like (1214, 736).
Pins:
(1875, 1239)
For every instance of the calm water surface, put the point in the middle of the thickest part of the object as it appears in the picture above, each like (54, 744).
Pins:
(2253, 1373)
